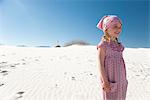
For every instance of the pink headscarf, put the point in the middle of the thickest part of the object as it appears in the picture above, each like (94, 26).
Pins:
(108, 21)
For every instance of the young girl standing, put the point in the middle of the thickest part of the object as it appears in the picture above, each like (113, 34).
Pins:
(110, 59)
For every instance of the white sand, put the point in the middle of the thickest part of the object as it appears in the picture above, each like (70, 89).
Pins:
(67, 73)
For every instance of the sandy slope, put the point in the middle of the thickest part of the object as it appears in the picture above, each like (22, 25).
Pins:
(67, 73)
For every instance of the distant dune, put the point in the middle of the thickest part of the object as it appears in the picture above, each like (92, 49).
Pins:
(76, 42)
(44, 46)
(21, 46)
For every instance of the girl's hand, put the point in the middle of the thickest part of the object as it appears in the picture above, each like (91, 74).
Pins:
(106, 86)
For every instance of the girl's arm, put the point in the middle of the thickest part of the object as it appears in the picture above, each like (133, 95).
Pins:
(101, 58)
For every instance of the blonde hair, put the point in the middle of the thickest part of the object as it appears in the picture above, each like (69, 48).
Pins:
(106, 37)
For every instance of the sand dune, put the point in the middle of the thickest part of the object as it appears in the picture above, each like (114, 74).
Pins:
(66, 73)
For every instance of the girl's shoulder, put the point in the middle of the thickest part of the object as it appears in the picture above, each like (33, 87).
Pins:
(102, 44)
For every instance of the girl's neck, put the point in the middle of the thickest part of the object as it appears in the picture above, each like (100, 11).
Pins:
(112, 38)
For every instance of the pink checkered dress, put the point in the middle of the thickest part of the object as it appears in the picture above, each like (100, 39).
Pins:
(115, 70)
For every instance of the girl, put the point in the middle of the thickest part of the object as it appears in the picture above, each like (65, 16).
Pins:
(110, 59)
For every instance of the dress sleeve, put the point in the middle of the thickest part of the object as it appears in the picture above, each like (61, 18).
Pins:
(102, 44)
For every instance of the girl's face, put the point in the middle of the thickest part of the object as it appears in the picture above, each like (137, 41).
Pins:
(114, 30)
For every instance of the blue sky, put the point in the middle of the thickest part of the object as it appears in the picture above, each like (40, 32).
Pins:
(44, 22)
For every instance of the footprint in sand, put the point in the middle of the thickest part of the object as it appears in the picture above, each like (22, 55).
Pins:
(17, 64)
(3, 62)
(12, 66)
(73, 78)
(1, 84)
(4, 72)
(36, 59)
(19, 94)
(91, 74)
(23, 59)
(51, 59)
(15, 96)
(56, 85)
(23, 63)
(65, 73)
(90, 60)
